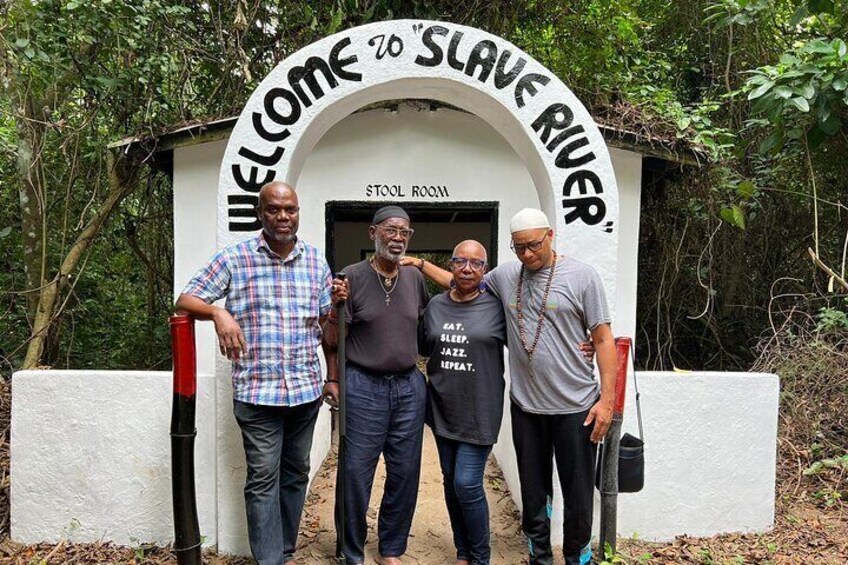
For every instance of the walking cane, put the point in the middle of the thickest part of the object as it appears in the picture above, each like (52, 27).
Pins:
(609, 458)
(186, 530)
(340, 484)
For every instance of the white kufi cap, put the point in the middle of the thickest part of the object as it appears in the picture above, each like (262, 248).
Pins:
(529, 219)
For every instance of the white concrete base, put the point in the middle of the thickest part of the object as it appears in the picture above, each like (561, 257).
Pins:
(91, 457)
(710, 456)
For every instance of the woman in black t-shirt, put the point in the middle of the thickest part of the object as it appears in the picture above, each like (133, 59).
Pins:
(463, 331)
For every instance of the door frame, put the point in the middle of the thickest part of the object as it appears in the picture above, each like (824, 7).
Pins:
(332, 207)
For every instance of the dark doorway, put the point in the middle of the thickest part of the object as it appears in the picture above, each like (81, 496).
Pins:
(438, 228)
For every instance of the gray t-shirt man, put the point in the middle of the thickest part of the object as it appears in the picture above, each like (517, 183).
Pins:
(559, 379)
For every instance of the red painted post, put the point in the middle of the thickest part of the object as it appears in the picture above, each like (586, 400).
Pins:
(622, 353)
(609, 459)
(186, 529)
(185, 355)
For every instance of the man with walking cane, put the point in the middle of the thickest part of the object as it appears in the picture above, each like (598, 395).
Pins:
(385, 392)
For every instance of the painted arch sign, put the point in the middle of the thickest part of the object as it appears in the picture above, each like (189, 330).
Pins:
(536, 113)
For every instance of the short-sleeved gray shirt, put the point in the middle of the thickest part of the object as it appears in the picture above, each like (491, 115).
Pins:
(559, 380)
(380, 337)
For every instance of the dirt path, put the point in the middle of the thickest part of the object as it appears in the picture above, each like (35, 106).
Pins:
(431, 540)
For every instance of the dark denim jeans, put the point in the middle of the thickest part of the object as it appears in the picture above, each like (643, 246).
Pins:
(384, 414)
(277, 444)
(463, 465)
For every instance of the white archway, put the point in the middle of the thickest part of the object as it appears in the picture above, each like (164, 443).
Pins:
(535, 112)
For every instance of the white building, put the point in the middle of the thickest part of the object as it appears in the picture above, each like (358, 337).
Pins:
(449, 129)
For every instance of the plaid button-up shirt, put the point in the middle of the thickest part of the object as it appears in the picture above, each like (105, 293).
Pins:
(277, 302)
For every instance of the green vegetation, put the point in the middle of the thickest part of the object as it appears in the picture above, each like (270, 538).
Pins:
(731, 249)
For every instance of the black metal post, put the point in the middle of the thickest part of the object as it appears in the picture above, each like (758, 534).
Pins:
(340, 481)
(186, 529)
(609, 486)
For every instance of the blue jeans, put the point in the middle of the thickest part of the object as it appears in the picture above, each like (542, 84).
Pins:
(463, 465)
(277, 444)
(384, 414)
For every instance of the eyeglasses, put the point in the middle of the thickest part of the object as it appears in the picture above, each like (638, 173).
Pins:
(460, 263)
(392, 231)
(520, 248)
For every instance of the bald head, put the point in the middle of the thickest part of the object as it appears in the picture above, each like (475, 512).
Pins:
(467, 266)
(275, 187)
(471, 249)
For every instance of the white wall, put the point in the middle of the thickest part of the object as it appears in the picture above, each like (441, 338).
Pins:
(710, 454)
(412, 147)
(195, 214)
(91, 456)
(628, 174)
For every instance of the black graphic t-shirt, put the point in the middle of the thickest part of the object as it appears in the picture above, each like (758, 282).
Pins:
(465, 343)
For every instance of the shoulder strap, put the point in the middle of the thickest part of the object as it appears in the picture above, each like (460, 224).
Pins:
(636, 387)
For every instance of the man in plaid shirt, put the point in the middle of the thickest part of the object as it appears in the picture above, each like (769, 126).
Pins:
(278, 294)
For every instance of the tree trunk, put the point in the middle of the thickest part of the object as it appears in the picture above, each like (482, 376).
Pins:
(32, 198)
(123, 174)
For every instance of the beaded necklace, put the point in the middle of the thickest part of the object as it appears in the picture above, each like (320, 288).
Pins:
(521, 331)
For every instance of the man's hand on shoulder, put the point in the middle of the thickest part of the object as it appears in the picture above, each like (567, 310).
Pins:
(430, 270)
(230, 338)
(601, 415)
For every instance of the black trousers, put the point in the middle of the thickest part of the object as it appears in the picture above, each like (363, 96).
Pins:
(538, 439)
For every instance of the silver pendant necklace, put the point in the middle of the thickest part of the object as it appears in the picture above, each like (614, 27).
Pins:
(386, 282)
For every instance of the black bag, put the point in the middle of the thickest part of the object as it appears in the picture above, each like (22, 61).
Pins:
(631, 464)
(631, 456)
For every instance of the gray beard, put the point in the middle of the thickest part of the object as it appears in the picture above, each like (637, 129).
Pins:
(381, 250)
(284, 239)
